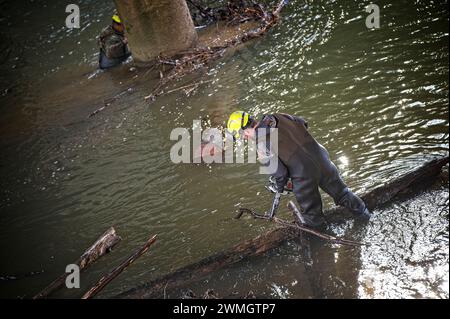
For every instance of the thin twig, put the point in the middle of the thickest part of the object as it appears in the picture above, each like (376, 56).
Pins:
(165, 287)
(196, 84)
(109, 101)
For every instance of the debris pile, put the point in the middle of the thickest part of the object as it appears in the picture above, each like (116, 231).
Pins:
(198, 58)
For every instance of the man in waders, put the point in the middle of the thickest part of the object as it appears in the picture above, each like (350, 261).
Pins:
(113, 44)
(301, 158)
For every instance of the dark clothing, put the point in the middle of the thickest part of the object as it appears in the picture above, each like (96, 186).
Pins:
(113, 48)
(308, 163)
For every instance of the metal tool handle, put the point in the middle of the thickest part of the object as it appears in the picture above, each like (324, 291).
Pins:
(275, 204)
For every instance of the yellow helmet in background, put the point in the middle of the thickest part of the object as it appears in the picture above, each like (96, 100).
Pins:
(116, 18)
(238, 121)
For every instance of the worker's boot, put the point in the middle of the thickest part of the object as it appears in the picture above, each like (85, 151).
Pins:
(366, 214)
(355, 204)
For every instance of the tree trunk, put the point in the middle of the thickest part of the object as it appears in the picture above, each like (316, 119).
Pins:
(155, 27)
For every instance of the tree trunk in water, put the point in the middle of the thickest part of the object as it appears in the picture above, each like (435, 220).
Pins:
(155, 27)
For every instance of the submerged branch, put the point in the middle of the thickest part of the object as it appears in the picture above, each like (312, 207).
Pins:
(300, 227)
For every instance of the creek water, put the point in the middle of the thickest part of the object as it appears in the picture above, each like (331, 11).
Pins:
(376, 99)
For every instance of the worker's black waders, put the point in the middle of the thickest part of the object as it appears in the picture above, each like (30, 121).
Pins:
(106, 63)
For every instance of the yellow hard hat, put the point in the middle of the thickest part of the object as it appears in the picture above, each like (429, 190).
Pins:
(239, 120)
(116, 18)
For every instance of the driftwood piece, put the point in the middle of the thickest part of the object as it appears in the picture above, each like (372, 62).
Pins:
(407, 184)
(102, 246)
(118, 270)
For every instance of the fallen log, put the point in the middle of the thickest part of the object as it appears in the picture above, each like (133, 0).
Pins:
(193, 272)
(407, 184)
(383, 194)
(102, 246)
(118, 270)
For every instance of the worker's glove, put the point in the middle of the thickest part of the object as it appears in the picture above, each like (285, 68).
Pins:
(273, 188)
(275, 204)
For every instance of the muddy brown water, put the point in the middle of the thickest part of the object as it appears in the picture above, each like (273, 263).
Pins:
(377, 99)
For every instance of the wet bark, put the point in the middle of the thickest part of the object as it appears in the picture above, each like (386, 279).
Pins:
(407, 184)
(155, 27)
(118, 270)
(193, 272)
(102, 246)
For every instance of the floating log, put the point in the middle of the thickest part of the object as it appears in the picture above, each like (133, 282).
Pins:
(193, 272)
(407, 184)
(118, 270)
(402, 185)
(102, 246)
